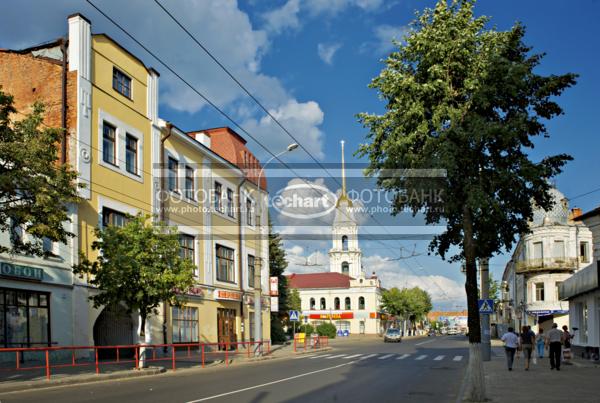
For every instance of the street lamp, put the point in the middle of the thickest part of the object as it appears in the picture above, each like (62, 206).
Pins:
(257, 276)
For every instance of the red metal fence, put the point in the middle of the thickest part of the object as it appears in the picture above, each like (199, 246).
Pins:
(304, 343)
(198, 353)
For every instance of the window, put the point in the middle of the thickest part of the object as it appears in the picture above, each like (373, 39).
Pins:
(113, 217)
(109, 143)
(323, 304)
(131, 154)
(559, 250)
(345, 268)
(361, 302)
(24, 318)
(251, 270)
(16, 231)
(312, 304)
(189, 182)
(225, 264)
(218, 201)
(249, 212)
(584, 252)
(344, 242)
(539, 291)
(538, 250)
(172, 166)
(186, 250)
(185, 324)
(229, 206)
(347, 303)
(121, 83)
(48, 246)
(558, 283)
(336, 303)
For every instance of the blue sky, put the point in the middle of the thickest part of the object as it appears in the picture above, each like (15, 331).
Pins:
(310, 61)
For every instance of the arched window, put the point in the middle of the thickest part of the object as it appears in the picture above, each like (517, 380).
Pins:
(336, 303)
(323, 306)
(347, 303)
(344, 242)
(312, 304)
(345, 268)
(361, 302)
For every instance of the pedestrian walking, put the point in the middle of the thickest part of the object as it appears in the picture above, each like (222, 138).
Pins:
(567, 345)
(555, 339)
(511, 343)
(540, 341)
(527, 340)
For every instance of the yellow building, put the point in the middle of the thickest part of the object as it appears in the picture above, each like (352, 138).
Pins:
(211, 197)
(117, 113)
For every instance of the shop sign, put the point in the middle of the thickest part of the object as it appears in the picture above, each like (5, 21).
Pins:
(274, 304)
(194, 291)
(228, 295)
(274, 286)
(27, 272)
(343, 315)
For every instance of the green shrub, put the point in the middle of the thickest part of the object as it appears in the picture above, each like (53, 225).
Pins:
(327, 329)
(308, 329)
(277, 332)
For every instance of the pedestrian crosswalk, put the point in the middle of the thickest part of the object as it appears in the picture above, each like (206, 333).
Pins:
(383, 357)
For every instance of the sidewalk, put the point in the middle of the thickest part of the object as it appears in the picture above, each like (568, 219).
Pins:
(574, 383)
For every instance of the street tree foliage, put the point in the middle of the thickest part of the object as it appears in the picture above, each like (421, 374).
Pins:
(35, 189)
(139, 265)
(465, 98)
(406, 303)
(277, 266)
(294, 303)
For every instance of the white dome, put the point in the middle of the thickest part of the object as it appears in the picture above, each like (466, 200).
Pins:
(558, 214)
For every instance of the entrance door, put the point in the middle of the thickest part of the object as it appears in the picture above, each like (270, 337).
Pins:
(113, 327)
(226, 327)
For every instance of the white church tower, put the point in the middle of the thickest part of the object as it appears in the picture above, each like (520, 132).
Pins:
(345, 254)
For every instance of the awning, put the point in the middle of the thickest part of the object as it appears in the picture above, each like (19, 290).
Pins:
(585, 280)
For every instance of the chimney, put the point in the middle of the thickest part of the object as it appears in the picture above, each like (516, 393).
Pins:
(575, 212)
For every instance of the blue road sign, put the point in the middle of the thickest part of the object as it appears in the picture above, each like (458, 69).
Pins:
(294, 316)
(486, 306)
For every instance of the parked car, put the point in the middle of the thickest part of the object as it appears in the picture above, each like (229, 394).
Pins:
(392, 335)
(452, 331)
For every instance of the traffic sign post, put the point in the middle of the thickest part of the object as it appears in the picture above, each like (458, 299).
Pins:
(486, 306)
(294, 317)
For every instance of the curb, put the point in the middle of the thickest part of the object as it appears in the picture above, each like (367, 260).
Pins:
(17, 386)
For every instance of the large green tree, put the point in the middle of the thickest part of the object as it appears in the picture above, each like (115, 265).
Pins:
(407, 303)
(139, 264)
(277, 266)
(466, 99)
(35, 188)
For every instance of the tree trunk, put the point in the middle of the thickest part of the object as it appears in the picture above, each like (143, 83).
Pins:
(475, 382)
(142, 340)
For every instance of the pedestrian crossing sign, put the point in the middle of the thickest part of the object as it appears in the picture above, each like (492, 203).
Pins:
(294, 316)
(486, 306)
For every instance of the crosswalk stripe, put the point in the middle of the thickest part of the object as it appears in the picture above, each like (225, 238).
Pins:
(319, 356)
(304, 356)
(458, 358)
(368, 356)
(335, 356)
(386, 356)
(352, 356)
(421, 357)
(439, 358)
(403, 356)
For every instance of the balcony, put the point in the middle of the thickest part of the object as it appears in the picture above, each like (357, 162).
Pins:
(547, 264)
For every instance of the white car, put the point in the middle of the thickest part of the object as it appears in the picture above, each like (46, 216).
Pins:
(452, 331)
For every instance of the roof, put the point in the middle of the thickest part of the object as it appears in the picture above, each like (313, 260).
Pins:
(589, 214)
(319, 280)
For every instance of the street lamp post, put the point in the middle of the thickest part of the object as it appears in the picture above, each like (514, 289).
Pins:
(257, 273)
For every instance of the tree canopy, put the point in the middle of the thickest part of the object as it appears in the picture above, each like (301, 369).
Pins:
(35, 188)
(140, 265)
(407, 302)
(277, 266)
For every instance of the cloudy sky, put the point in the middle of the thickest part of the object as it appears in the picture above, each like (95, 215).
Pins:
(309, 63)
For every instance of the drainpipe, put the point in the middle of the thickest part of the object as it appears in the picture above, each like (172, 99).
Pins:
(241, 258)
(63, 118)
(162, 212)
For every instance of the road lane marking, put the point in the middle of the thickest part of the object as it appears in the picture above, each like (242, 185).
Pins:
(352, 356)
(385, 357)
(320, 356)
(367, 356)
(421, 357)
(403, 356)
(335, 356)
(270, 383)
(439, 358)
(304, 356)
(425, 342)
(458, 358)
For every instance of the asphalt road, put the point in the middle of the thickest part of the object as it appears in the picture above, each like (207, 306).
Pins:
(417, 370)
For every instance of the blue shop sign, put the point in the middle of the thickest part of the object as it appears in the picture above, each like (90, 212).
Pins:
(26, 272)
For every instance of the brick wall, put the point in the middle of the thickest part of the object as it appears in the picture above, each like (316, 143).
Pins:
(29, 79)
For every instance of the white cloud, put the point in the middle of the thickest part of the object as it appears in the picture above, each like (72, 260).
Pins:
(285, 17)
(384, 35)
(316, 7)
(295, 250)
(314, 262)
(326, 52)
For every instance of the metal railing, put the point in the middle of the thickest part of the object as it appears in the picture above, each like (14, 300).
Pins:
(312, 342)
(198, 353)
